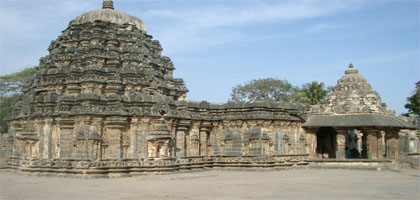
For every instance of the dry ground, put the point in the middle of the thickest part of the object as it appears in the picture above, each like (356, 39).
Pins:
(222, 184)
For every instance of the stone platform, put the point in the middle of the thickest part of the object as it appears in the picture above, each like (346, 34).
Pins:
(127, 167)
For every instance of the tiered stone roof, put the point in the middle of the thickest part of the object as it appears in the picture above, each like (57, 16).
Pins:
(353, 94)
(104, 63)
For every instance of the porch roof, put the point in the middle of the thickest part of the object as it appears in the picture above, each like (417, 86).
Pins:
(356, 120)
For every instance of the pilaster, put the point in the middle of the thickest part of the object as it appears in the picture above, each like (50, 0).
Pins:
(181, 141)
(205, 130)
(115, 127)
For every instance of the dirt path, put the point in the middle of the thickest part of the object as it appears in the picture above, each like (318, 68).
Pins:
(222, 184)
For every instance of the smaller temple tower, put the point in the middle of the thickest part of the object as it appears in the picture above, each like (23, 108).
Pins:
(354, 123)
(353, 94)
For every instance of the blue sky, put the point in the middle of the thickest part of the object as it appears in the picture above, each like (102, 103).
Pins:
(217, 44)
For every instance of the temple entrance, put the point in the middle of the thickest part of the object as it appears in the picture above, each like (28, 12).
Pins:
(355, 144)
(326, 145)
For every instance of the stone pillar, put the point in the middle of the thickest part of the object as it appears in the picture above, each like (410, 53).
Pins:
(381, 144)
(396, 144)
(388, 142)
(404, 141)
(372, 144)
(341, 144)
(312, 142)
(412, 141)
(391, 144)
(359, 141)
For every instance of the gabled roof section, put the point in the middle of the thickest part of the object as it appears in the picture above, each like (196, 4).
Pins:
(356, 120)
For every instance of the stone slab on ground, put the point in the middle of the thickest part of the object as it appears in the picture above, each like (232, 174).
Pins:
(221, 184)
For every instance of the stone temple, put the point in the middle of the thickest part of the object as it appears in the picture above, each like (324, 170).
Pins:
(105, 101)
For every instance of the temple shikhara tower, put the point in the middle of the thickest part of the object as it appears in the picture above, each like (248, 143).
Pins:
(354, 118)
(105, 101)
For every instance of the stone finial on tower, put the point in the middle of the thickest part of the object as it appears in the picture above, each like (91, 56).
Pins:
(351, 70)
(108, 4)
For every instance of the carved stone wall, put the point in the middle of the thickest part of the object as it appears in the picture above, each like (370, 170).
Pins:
(232, 132)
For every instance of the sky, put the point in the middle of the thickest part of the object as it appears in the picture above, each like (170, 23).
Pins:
(217, 44)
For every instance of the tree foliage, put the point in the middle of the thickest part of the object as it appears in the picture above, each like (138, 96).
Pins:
(12, 84)
(6, 104)
(268, 89)
(10, 92)
(413, 104)
(271, 89)
(314, 92)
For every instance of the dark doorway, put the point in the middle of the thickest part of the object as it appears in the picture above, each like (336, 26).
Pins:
(326, 147)
(364, 153)
(158, 146)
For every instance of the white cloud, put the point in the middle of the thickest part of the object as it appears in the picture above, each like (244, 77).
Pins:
(26, 23)
(318, 28)
(391, 56)
(183, 27)
(249, 13)
(189, 26)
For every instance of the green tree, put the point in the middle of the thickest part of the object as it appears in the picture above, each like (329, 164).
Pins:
(313, 93)
(12, 84)
(413, 101)
(268, 89)
(11, 90)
